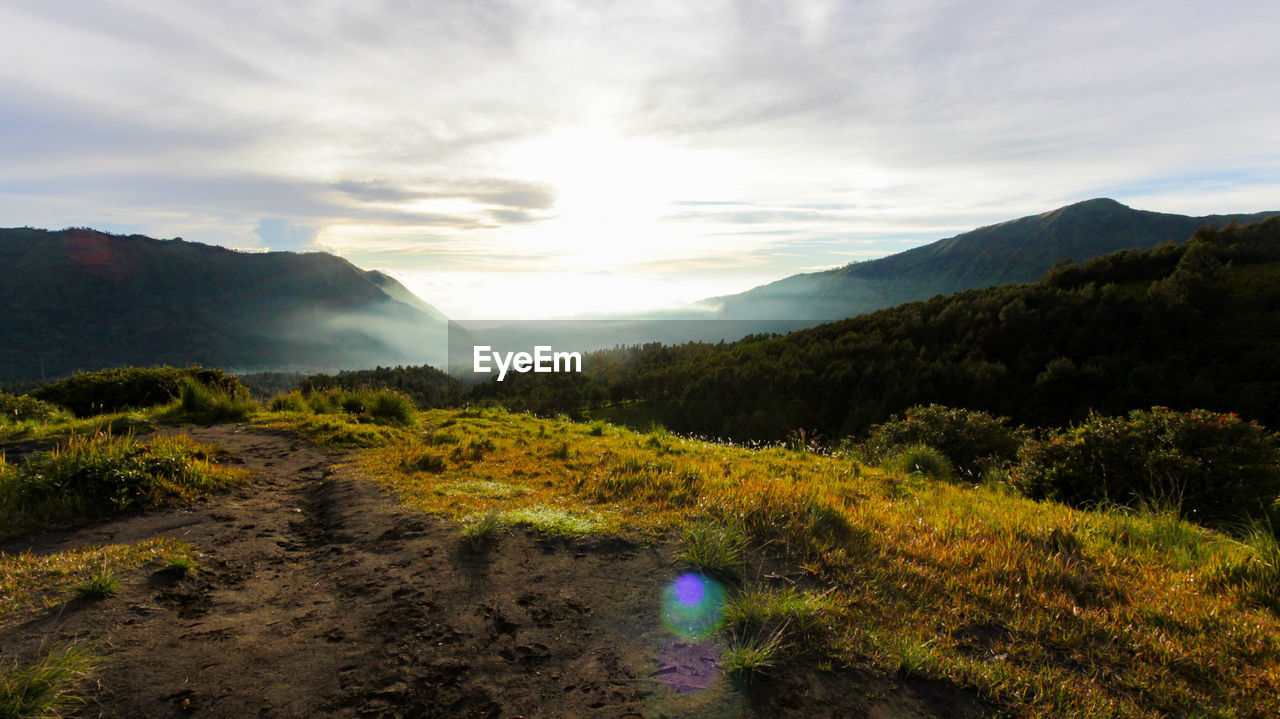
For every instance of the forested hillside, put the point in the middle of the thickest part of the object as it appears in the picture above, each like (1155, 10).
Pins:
(1181, 325)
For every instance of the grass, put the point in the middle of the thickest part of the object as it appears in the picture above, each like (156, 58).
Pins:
(182, 565)
(45, 687)
(716, 548)
(200, 404)
(1043, 609)
(34, 582)
(748, 657)
(99, 586)
(94, 475)
(481, 531)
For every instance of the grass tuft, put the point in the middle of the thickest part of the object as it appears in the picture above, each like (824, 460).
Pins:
(100, 586)
(749, 657)
(482, 531)
(46, 687)
(714, 547)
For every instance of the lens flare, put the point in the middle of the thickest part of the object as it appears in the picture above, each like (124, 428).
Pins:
(693, 606)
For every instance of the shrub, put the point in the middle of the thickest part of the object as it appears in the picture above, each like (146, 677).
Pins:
(972, 439)
(113, 390)
(389, 406)
(24, 408)
(1216, 468)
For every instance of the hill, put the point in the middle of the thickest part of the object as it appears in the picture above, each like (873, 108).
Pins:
(80, 299)
(1184, 326)
(1016, 251)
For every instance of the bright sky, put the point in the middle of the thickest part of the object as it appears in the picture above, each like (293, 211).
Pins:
(549, 157)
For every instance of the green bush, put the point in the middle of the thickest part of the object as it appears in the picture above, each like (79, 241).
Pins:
(24, 408)
(113, 390)
(292, 402)
(1216, 468)
(973, 440)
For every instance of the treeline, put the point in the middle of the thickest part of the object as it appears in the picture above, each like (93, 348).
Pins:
(1192, 325)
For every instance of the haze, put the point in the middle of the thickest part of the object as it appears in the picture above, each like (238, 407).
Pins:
(533, 159)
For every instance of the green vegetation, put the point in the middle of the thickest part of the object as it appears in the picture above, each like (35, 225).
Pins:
(31, 582)
(1130, 330)
(93, 475)
(423, 385)
(973, 440)
(79, 299)
(205, 405)
(1214, 468)
(100, 586)
(481, 531)
(24, 408)
(919, 459)
(1044, 609)
(113, 390)
(46, 687)
(715, 548)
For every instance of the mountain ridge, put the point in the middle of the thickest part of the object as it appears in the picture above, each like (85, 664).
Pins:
(1013, 251)
(82, 299)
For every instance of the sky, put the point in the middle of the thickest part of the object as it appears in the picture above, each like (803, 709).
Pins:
(550, 158)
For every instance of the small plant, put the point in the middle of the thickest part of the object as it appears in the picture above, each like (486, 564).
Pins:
(181, 565)
(716, 548)
(480, 532)
(423, 461)
(100, 586)
(921, 459)
(597, 429)
(46, 687)
(749, 657)
(390, 407)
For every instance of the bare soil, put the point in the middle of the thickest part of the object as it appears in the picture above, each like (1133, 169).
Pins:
(319, 596)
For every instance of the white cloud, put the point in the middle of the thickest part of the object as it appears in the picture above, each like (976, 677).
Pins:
(566, 137)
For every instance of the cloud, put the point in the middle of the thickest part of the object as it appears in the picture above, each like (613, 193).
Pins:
(392, 130)
(280, 235)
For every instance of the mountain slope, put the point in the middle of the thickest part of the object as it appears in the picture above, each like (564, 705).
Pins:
(1192, 325)
(81, 299)
(1016, 251)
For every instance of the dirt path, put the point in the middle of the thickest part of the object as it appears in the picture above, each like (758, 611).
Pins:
(319, 596)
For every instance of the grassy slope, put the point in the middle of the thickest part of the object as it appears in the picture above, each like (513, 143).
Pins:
(1048, 610)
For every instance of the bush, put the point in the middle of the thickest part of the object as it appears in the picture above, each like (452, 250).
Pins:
(1216, 468)
(973, 440)
(292, 402)
(113, 390)
(24, 408)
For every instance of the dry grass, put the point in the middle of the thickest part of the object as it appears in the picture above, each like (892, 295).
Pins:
(1044, 609)
(30, 582)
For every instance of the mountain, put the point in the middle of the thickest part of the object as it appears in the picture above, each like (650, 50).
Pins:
(1016, 251)
(1189, 325)
(81, 299)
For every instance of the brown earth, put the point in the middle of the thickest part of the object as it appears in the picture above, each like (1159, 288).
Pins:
(318, 595)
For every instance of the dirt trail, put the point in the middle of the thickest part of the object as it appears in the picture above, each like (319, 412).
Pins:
(319, 596)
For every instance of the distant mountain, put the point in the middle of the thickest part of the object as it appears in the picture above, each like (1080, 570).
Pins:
(1016, 251)
(82, 299)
